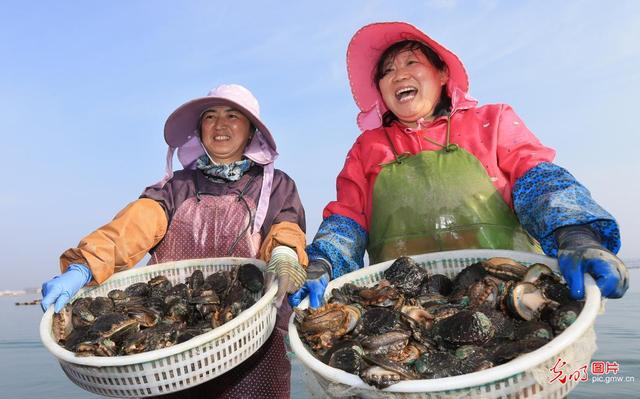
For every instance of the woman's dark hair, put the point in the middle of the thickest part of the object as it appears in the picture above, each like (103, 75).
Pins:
(444, 105)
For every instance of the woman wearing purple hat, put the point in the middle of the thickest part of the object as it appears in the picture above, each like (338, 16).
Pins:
(435, 171)
(227, 201)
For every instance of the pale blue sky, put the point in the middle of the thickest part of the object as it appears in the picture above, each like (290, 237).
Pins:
(86, 88)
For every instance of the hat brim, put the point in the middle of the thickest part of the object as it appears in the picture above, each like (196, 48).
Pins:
(368, 44)
(182, 124)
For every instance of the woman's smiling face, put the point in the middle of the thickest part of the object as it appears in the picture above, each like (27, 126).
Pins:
(411, 86)
(225, 133)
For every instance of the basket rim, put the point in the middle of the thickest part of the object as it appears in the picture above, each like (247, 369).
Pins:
(517, 366)
(62, 354)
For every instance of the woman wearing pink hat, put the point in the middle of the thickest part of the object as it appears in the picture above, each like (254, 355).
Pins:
(434, 171)
(227, 201)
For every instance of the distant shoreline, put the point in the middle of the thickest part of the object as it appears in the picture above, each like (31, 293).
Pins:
(18, 293)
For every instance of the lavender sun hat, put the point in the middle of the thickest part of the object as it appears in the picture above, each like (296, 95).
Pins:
(181, 133)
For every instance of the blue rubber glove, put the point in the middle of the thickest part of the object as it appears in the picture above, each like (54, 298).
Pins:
(580, 252)
(318, 273)
(62, 288)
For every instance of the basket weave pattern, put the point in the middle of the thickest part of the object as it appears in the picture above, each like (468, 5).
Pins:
(525, 377)
(178, 367)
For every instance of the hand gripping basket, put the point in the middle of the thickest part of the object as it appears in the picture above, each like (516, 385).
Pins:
(178, 367)
(527, 376)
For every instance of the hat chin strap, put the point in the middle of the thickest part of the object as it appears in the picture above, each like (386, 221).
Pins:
(207, 152)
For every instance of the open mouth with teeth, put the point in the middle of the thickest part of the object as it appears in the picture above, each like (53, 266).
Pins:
(406, 94)
(221, 138)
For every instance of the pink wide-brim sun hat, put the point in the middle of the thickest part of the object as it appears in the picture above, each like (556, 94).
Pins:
(182, 124)
(363, 53)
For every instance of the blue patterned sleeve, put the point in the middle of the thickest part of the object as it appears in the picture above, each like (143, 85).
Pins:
(548, 197)
(342, 242)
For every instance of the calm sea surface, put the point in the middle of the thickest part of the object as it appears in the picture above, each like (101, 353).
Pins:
(27, 370)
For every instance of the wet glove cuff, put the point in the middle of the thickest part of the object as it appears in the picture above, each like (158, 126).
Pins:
(317, 268)
(83, 270)
(576, 236)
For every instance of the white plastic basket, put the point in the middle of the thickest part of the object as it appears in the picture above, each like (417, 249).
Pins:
(527, 376)
(178, 367)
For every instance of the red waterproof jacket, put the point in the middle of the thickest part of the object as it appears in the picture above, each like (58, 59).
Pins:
(492, 133)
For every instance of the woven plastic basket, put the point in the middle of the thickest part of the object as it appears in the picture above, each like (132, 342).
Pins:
(178, 367)
(527, 376)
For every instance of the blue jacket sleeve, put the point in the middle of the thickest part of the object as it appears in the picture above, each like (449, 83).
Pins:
(548, 197)
(340, 241)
